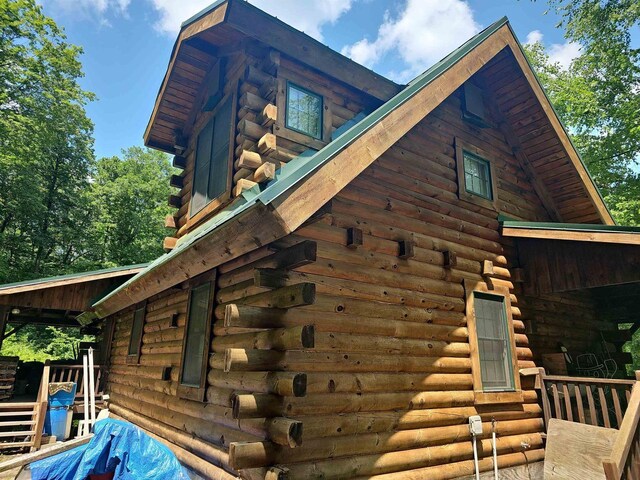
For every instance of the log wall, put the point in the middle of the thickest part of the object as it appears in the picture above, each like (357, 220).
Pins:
(341, 351)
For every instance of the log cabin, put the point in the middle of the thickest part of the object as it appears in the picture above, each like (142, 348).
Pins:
(358, 267)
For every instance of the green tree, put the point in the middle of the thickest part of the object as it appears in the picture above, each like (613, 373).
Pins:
(46, 155)
(39, 343)
(598, 96)
(129, 203)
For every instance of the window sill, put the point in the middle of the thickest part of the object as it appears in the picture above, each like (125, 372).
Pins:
(489, 398)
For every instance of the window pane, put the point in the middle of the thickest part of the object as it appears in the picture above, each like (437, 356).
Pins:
(212, 156)
(493, 342)
(201, 171)
(193, 355)
(304, 111)
(136, 332)
(477, 175)
(220, 152)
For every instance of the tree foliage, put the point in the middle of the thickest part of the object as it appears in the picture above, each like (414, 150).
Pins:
(37, 343)
(598, 95)
(61, 210)
(129, 201)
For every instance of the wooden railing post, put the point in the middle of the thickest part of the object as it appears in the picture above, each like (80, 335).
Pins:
(623, 461)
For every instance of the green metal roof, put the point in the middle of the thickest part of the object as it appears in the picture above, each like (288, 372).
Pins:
(302, 166)
(576, 227)
(69, 276)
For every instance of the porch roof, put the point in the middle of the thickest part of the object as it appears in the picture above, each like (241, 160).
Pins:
(572, 231)
(558, 257)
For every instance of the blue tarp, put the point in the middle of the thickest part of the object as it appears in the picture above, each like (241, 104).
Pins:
(118, 447)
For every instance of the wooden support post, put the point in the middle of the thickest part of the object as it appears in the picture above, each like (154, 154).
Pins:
(354, 237)
(4, 317)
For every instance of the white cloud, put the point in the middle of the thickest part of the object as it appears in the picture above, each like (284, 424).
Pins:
(562, 53)
(97, 9)
(422, 33)
(306, 15)
(534, 36)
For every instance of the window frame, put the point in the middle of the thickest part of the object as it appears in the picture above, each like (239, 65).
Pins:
(206, 118)
(462, 147)
(191, 392)
(289, 85)
(482, 396)
(134, 358)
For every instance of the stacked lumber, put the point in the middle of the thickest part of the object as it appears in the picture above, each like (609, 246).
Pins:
(8, 369)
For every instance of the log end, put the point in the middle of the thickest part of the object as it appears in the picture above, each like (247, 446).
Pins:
(300, 385)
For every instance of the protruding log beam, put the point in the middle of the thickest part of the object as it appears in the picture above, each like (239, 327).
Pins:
(251, 454)
(285, 431)
(170, 222)
(285, 384)
(169, 243)
(179, 162)
(266, 171)
(256, 405)
(253, 102)
(251, 129)
(242, 185)
(281, 339)
(255, 75)
(267, 144)
(450, 259)
(285, 297)
(277, 473)
(354, 237)
(487, 268)
(176, 181)
(175, 201)
(241, 360)
(270, 278)
(248, 159)
(406, 249)
(268, 116)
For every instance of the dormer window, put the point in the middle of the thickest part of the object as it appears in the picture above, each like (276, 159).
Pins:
(304, 111)
(212, 173)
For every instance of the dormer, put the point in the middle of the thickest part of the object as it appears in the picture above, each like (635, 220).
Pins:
(244, 94)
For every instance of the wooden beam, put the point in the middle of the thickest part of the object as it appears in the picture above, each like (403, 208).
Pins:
(55, 449)
(354, 237)
(624, 238)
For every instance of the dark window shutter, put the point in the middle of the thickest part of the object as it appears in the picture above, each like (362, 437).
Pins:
(199, 193)
(219, 169)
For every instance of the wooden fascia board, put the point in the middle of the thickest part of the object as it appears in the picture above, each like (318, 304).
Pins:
(620, 238)
(254, 228)
(587, 181)
(211, 19)
(301, 201)
(249, 21)
(69, 281)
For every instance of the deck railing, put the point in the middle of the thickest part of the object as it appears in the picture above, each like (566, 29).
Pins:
(596, 401)
(74, 373)
(624, 461)
(21, 424)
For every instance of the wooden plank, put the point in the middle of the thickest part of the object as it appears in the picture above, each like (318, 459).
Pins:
(49, 451)
(603, 407)
(575, 451)
(579, 404)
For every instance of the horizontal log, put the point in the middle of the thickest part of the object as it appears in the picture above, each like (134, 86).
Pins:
(460, 469)
(293, 338)
(286, 297)
(269, 360)
(320, 426)
(447, 448)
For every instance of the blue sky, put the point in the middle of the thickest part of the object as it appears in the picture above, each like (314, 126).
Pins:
(127, 43)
